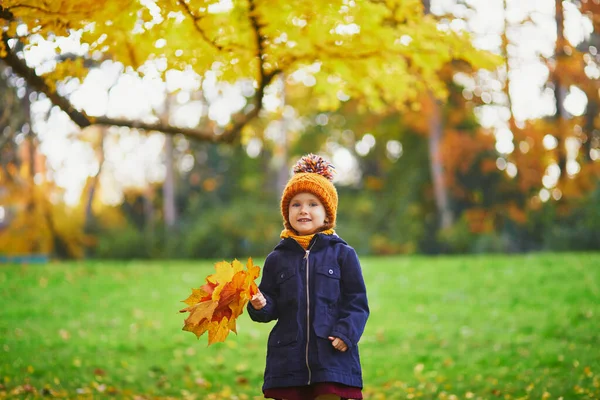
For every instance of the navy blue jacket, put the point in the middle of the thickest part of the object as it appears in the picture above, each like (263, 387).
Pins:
(313, 295)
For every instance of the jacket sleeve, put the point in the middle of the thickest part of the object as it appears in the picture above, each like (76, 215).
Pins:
(270, 290)
(354, 307)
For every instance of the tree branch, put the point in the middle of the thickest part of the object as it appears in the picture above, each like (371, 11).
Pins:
(21, 68)
(260, 39)
(264, 78)
(80, 118)
(329, 50)
(6, 14)
(196, 21)
(35, 8)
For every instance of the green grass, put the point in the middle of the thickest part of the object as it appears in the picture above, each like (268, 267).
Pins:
(472, 327)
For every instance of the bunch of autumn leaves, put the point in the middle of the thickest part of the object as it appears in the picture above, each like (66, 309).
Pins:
(215, 306)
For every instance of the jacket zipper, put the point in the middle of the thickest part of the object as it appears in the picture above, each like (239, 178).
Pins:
(308, 308)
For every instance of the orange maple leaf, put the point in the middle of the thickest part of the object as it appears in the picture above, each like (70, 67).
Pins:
(215, 306)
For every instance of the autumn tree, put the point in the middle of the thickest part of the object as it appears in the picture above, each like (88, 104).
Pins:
(34, 218)
(383, 52)
(555, 154)
(383, 55)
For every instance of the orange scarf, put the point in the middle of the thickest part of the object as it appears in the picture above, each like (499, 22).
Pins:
(303, 240)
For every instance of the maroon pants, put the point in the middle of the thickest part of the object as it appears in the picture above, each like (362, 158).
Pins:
(312, 391)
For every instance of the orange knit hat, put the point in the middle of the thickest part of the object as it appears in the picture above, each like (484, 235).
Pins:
(312, 174)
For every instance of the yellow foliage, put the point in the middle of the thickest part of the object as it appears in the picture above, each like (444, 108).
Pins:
(216, 306)
(383, 52)
(38, 221)
(38, 224)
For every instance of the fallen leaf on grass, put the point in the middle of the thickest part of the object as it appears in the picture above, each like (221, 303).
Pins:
(215, 306)
(241, 380)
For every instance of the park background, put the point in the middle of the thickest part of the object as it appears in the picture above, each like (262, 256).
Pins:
(143, 140)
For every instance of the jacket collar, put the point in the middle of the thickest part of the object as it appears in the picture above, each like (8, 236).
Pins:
(319, 241)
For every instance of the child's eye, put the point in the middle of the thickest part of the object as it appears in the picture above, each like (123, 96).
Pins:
(295, 205)
(313, 204)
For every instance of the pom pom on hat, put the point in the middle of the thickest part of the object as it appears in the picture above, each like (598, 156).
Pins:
(312, 174)
(315, 164)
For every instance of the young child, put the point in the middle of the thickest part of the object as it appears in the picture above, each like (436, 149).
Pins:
(312, 285)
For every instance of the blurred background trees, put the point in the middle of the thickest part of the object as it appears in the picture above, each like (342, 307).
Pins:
(454, 127)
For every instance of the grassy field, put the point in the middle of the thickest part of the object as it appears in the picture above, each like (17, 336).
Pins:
(464, 327)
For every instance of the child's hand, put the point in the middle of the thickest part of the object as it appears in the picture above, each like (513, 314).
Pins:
(338, 343)
(258, 301)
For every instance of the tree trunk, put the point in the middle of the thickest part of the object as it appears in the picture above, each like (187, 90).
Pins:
(281, 148)
(560, 91)
(169, 207)
(436, 130)
(511, 119)
(89, 221)
(169, 186)
(31, 206)
(440, 189)
(590, 129)
(148, 200)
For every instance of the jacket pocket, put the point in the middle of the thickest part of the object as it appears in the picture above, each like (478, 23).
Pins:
(328, 283)
(330, 271)
(343, 362)
(284, 275)
(281, 339)
(287, 283)
(323, 321)
(282, 352)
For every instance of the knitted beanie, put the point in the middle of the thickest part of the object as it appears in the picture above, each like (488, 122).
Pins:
(312, 174)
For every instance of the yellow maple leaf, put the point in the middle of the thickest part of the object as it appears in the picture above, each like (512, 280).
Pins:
(237, 266)
(232, 326)
(218, 331)
(252, 274)
(195, 297)
(215, 306)
(224, 273)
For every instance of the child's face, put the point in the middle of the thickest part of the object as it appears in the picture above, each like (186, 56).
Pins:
(306, 213)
